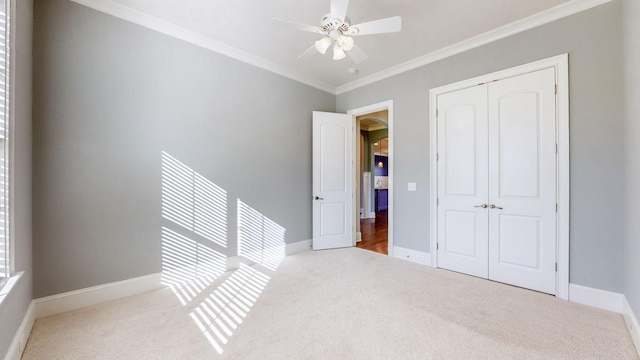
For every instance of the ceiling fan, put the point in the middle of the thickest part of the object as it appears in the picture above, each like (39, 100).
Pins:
(337, 31)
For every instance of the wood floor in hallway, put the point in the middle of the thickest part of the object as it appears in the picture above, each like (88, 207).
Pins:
(374, 233)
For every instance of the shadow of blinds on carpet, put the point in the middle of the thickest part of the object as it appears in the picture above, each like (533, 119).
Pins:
(194, 237)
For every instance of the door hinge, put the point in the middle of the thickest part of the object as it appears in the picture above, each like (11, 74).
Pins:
(437, 246)
(437, 201)
(556, 148)
(437, 112)
(437, 157)
(556, 89)
(556, 207)
(556, 267)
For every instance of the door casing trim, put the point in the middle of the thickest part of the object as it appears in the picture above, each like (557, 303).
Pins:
(561, 65)
(384, 105)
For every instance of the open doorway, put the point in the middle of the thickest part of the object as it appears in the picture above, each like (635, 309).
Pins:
(373, 180)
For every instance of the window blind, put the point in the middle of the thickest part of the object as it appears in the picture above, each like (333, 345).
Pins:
(5, 266)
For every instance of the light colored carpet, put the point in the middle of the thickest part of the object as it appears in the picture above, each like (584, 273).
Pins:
(337, 304)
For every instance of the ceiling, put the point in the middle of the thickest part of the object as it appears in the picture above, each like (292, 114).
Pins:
(246, 27)
(374, 121)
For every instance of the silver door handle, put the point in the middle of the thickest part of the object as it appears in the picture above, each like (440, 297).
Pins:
(318, 198)
(494, 207)
(484, 206)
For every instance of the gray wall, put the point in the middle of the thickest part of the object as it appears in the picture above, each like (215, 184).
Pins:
(631, 11)
(378, 135)
(109, 98)
(14, 307)
(594, 42)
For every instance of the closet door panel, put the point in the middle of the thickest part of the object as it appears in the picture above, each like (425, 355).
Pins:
(462, 181)
(522, 181)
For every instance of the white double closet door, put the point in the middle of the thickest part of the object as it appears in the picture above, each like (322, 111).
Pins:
(497, 181)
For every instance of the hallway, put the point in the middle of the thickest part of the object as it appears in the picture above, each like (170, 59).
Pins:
(374, 233)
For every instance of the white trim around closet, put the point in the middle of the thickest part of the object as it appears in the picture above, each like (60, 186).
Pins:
(561, 65)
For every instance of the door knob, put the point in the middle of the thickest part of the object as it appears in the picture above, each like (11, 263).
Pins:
(494, 207)
(484, 206)
(318, 198)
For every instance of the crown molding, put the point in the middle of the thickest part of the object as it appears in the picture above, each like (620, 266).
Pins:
(151, 22)
(541, 18)
(139, 18)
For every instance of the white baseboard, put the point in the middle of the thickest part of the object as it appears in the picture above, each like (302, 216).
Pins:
(632, 324)
(73, 300)
(298, 247)
(233, 262)
(22, 335)
(601, 299)
(367, 215)
(358, 236)
(417, 257)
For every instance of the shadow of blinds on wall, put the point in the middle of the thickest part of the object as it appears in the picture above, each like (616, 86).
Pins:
(5, 249)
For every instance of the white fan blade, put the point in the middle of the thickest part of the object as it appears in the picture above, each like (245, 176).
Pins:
(339, 9)
(388, 25)
(357, 55)
(310, 50)
(297, 26)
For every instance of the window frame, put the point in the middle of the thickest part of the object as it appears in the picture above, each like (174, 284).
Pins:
(6, 142)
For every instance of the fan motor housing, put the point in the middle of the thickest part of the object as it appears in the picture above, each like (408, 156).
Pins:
(328, 23)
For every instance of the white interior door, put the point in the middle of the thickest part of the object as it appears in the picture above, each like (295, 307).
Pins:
(497, 181)
(333, 169)
(462, 181)
(522, 181)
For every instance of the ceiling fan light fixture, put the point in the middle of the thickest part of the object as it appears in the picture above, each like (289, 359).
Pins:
(336, 29)
(335, 34)
(323, 44)
(347, 43)
(338, 53)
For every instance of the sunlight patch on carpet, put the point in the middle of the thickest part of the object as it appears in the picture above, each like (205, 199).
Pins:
(228, 305)
(194, 243)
